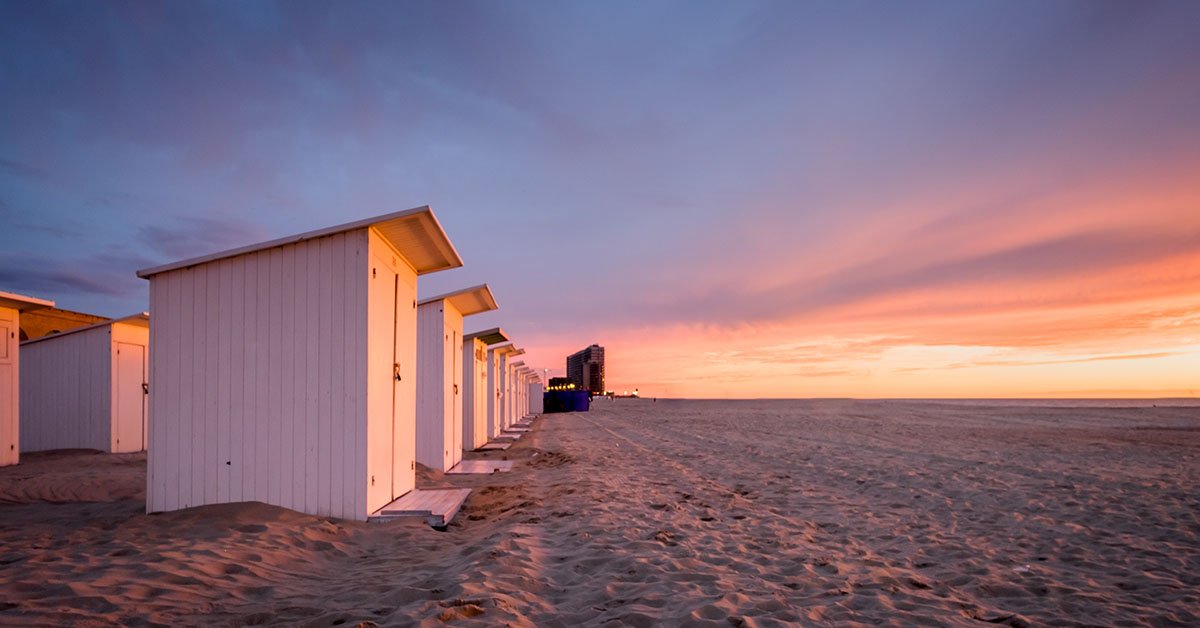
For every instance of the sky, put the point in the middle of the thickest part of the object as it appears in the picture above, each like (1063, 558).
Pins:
(737, 199)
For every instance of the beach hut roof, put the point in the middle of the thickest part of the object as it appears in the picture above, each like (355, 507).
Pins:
(469, 301)
(141, 319)
(416, 234)
(22, 303)
(507, 349)
(491, 336)
(518, 362)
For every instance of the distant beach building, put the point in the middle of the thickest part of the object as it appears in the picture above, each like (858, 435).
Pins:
(586, 369)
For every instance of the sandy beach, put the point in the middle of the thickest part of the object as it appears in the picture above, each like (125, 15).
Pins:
(675, 512)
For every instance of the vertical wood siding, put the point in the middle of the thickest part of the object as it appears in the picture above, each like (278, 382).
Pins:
(439, 433)
(502, 400)
(493, 394)
(134, 336)
(431, 384)
(474, 394)
(66, 392)
(10, 446)
(404, 435)
(258, 379)
(510, 397)
(452, 388)
(536, 392)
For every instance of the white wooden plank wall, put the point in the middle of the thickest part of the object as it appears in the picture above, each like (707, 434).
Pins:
(130, 334)
(431, 384)
(510, 396)
(452, 389)
(10, 451)
(504, 396)
(257, 378)
(404, 436)
(474, 397)
(66, 392)
(493, 394)
(536, 392)
(521, 390)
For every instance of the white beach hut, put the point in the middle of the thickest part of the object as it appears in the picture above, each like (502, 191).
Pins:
(519, 393)
(440, 373)
(495, 356)
(536, 391)
(514, 391)
(526, 377)
(11, 306)
(510, 385)
(85, 388)
(498, 357)
(285, 372)
(476, 396)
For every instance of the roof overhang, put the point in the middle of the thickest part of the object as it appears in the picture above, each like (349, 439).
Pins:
(415, 233)
(507, 349)
(141, 319)
(493, 336)
(518, 364)
(467, 301)
(22, 303)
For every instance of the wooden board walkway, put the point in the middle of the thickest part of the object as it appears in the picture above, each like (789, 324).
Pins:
(495, 446)
(438, 506)
(482, 466)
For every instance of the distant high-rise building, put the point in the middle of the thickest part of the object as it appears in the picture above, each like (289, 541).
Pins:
(586, 369)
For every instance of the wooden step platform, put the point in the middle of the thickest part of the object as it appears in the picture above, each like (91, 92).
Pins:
(438, 506)
(512, 435)
(482, 466)
(518, 428)
(495, 446)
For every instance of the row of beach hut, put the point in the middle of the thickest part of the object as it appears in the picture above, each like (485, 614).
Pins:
(302, 372)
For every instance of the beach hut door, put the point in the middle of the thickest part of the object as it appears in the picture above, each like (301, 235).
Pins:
(455, 401)
(385, 383)
(8, 386)
(131, 398)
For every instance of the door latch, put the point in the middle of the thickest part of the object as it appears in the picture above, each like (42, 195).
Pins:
(145, 388)
(396, 371)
